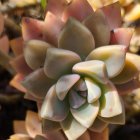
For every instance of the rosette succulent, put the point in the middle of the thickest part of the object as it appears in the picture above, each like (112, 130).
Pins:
(75, 64)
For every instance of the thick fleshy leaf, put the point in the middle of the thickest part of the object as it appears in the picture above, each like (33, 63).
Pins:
(57, 7)
(95, 69)
(35, 53)
(64, 84)
(48, 126)
(4, 44)
(128, 87)
(113, 54)
(17, 46)
(77, 38)
(86, 114)
(20, 137)
(99, 27)
(119, 119)
(59, 62)
(80, 85)
(85, 136)
(113, 15)
(1, 23)
(121, 36)
(70, 126)
(55, 135)
(133, 13)
(133, 58)
(100, 136)
(31, 29)
(52, 27)
(29, 96)
(20, 66)
(94, 91)
(37, 83)
(16, 82)
(39, 137)
(110, 102)
(98, 125)
(76, 100)
(33, 124)
(52, 108)
(73, 10)
(19, 127)
(128, 73)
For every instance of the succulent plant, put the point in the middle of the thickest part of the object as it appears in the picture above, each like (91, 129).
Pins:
(75, 64)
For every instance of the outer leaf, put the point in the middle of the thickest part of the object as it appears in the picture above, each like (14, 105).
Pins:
(35, 53)
(77, 38)
(73, 8)
(37, 83)
(33, 124)
(99, 27)
(52, 27)
(111, 11)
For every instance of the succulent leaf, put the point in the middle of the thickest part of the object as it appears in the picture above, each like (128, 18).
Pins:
(121, 36)
(20, 66)
(31, 29)
(59, 62)
(112, 54)
(73, 10)
(86, 114)
(99, 27)
(33, 124)
(110, 102)
(52, 28)
(52, 108)
(111, 11)
(35, 53)
(98, 125)
(94, 68)
(68, 81)
(37, 83)
(127, 74)
(76, 37)
(119, 119)
(48, 126)
(76, 100)
(17, 46)
(94, 91)
(69, 125)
